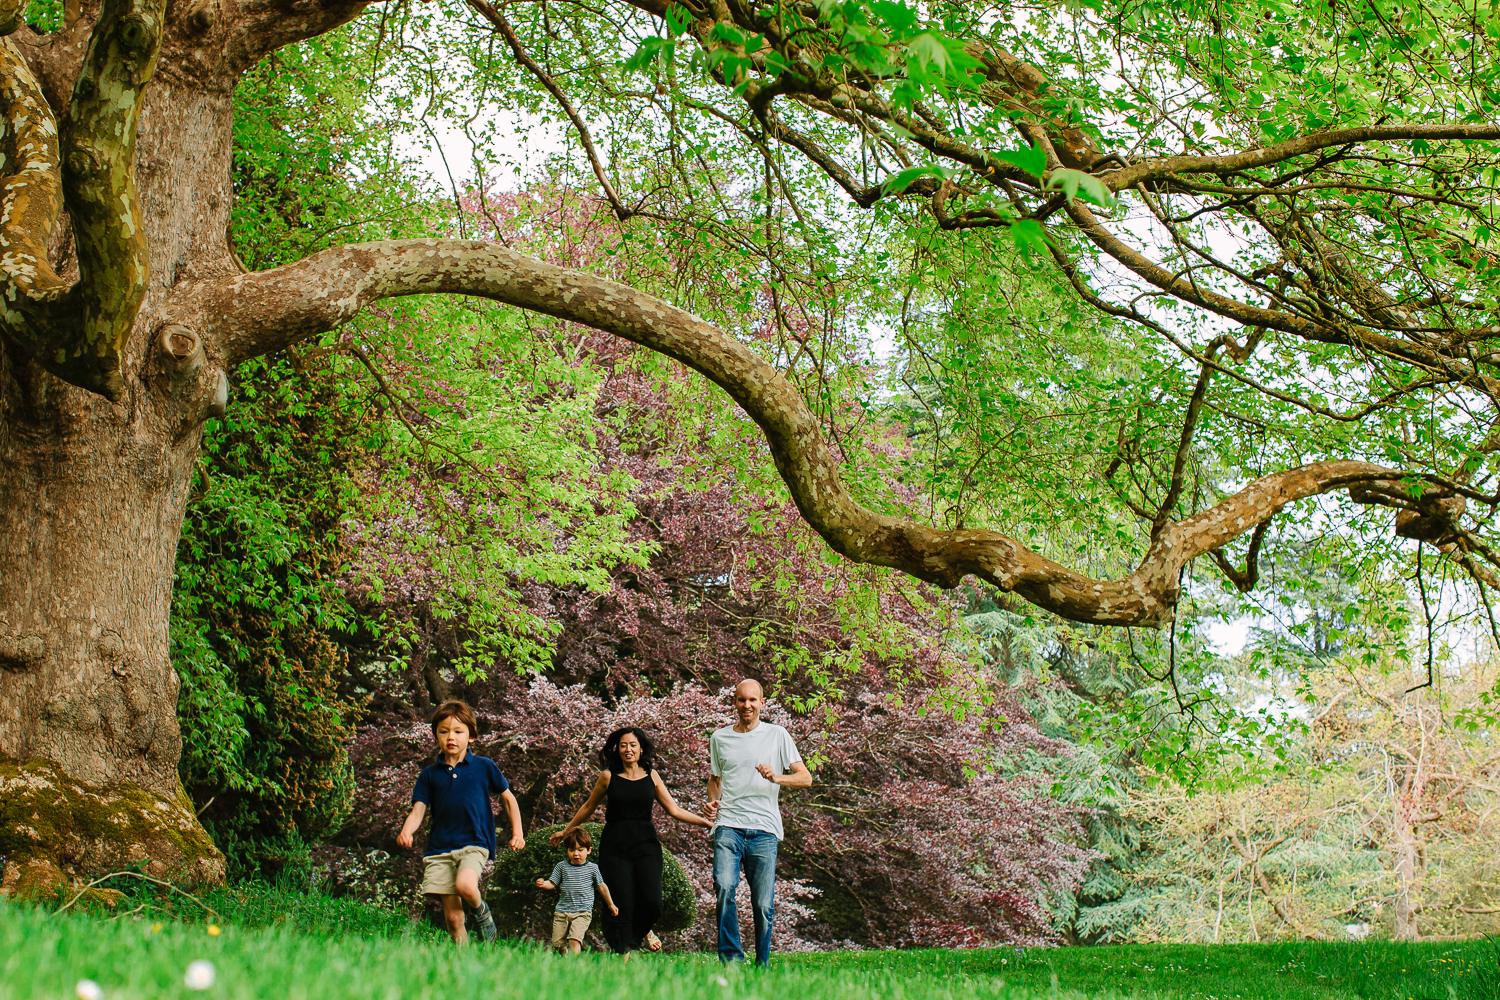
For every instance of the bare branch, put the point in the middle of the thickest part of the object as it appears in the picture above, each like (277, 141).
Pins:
(78, 331)
(1164, 167)
(492, 15)
(249, 314)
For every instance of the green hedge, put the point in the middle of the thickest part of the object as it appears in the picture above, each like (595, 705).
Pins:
(523, 910)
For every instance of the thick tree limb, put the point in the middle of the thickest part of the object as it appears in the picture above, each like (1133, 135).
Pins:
(251, 314)
(1160, 168)
(78, 331)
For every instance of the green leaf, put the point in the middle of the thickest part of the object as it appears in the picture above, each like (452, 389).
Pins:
(1033, 160)
(1028, 235)
(927, 50)
(1076, 183)
(900, 182)
(897, 16)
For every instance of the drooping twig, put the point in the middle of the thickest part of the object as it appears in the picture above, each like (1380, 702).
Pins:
(145, 878)
(489, 13)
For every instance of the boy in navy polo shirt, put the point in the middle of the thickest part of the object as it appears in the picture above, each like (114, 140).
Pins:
(457, 788)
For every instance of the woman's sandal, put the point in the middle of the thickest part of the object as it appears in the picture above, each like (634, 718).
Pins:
(653, 943)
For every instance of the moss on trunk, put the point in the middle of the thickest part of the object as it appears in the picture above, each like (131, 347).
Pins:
(53, 827)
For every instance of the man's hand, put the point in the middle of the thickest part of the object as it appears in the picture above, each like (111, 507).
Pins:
(517, 841)
(403, 839)
(767, 773)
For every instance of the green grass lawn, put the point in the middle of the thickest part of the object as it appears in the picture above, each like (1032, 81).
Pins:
(289, 947)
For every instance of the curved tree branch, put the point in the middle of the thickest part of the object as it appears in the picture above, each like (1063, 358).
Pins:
(250, 314)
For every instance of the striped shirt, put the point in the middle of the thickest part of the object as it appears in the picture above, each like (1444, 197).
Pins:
(576, 884)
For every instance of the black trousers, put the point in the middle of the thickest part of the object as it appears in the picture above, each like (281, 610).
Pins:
(631, 867)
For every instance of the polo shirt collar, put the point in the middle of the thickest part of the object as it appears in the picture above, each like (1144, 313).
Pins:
(467, 755)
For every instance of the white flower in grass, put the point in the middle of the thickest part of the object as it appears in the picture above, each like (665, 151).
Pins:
(200, 975)
(87, 989)
(721, 980)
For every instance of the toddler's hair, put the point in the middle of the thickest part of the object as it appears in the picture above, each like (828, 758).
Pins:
(578, 838)
(455, 709)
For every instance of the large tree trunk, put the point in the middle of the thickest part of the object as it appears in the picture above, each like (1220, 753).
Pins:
(94, 497)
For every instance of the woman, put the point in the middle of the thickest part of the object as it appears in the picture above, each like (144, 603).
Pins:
(629, 851)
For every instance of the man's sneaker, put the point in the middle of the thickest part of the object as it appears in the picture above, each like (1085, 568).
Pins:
(485, 921)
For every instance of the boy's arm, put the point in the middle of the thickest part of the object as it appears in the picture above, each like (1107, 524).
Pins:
(413, 820)
(542, 883)
(604, 892)
(513, 811)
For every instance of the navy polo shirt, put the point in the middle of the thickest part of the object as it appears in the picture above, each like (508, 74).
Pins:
(458, 798)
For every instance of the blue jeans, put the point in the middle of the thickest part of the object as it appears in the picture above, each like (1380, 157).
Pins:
(755, 851)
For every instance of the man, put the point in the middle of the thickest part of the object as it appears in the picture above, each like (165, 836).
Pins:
(749, 763)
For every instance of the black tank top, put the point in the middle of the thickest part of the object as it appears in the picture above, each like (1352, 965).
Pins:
(629, 801)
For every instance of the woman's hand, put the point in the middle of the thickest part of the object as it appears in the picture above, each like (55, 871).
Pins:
(557, 838)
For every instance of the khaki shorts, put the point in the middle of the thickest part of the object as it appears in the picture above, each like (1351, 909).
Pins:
(441, 876)
(569, 926)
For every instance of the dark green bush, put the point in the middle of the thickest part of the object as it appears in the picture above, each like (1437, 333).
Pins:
(523, 910)
(258, 614)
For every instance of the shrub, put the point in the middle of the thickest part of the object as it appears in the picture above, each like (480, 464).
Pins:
(256, 620)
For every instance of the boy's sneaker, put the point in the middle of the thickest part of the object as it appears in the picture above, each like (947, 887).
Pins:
(484, 920)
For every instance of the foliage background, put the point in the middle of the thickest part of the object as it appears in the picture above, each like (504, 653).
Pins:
(448, 498)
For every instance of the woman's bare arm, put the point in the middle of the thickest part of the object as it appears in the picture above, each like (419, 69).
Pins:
(584, 811)
(668, 803)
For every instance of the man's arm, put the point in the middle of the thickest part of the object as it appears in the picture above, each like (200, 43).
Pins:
(513, 811)
(715, 790)
(413, 821)
(800, 776)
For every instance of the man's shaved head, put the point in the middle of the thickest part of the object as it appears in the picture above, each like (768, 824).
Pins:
(749, 685)
(749, 696)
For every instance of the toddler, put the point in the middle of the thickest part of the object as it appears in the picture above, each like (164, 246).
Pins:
(575, 881)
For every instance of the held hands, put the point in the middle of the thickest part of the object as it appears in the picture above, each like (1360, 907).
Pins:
(711, 811)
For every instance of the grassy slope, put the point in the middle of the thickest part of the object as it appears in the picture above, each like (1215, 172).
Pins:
(304, 948)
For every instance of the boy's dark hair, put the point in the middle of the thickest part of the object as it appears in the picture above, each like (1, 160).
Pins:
(609, 756)
(578, 838)
(455, 709)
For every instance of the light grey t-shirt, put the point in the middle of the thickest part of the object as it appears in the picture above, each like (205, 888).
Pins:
(748, 801)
